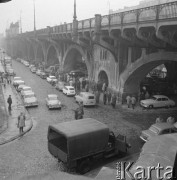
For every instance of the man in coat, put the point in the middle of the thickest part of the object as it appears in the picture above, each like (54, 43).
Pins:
(9, 101)
(21, 122)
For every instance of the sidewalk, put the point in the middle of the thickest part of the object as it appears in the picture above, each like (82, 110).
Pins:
(12, 132)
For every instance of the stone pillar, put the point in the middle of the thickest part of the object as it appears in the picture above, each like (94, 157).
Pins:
(97, 27)
(129, 56)
(75, 30)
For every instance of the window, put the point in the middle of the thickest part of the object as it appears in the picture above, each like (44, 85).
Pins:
(164, 99)
(91, 97)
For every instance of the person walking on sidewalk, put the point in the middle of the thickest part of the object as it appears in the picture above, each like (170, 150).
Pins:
(21, 122)
(9, 101)
(128, 98)
(109, 97)
(114, 99)
(133, 102)
(104, 98)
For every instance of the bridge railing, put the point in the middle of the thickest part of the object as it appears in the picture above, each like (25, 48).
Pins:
(151, 13)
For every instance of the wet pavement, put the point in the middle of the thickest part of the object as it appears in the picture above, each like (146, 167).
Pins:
(29, 155)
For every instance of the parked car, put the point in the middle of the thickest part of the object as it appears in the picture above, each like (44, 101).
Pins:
(18, 82)
(43, 75)
(38, 72)
(53, 102)
(158, 129)
(78, 143)
(15, 79)
(33, 69)
(10, 72)
(20, 87)
(51, 79)
(31, 66)
(60, 85)
(157, 101)
(87, 98)
(26, 63)
(69, 90)
(24, 89)
(29, 99)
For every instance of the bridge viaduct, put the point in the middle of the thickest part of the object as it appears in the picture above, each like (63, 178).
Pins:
(122, 47)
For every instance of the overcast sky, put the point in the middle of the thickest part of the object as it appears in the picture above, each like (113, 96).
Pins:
(54, 12)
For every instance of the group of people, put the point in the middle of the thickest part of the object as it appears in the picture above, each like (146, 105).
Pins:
(170, 119)
(131, 101)
(5, 79)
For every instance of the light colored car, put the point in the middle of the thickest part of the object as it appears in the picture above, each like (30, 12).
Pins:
(24, 89)
(26, 63)
(69, 91)
(87, 98)
(15, 79)
(43, 75)
(38, 72)
(29, 99)
(53, 102)
(51, 79)
(20, 87)
(158, 129)
(10, 72)
(60, 85)
(19, 82)
(33, 70)
(157, 101)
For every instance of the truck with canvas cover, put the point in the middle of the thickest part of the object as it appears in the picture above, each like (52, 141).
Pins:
(78, 143)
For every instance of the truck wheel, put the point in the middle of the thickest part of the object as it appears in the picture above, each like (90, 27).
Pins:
(84, 166)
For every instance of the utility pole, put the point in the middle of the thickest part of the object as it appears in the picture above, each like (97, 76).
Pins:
(20, 22)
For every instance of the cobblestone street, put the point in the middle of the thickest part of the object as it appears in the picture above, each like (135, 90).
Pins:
(29, 154)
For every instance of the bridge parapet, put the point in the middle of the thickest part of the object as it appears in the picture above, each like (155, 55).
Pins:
(155, 13)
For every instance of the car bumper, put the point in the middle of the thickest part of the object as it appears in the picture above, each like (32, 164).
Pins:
(31, 104)
(54, 106)
(143, 138)
(144, 105)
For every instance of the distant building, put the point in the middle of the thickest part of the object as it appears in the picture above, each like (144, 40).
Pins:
(13, 30)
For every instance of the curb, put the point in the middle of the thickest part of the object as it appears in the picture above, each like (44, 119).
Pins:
(17, 136)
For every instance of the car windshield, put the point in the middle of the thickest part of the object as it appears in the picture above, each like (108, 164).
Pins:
(53, 98)
(29, 95)
(154, 130)
(71, 88)
(52, 77)
(153, 98)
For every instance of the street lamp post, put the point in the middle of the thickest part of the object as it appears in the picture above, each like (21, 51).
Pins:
(34, 15)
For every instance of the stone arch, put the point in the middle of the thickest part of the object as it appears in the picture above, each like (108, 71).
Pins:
(53, 53)
(103, 76)
(131, 77)
(71, 53)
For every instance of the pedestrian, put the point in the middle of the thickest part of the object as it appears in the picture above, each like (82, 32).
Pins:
(133, 102)
(9, 101)
(21, 122)
(113, 101)
(97, 96)
(87, 87)
(109, 97)
(171, 120)
(147, 95)
(104, 87)
(79, 113)
(4, 82)
(105, 98)
(128, 98)
(159, 120)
